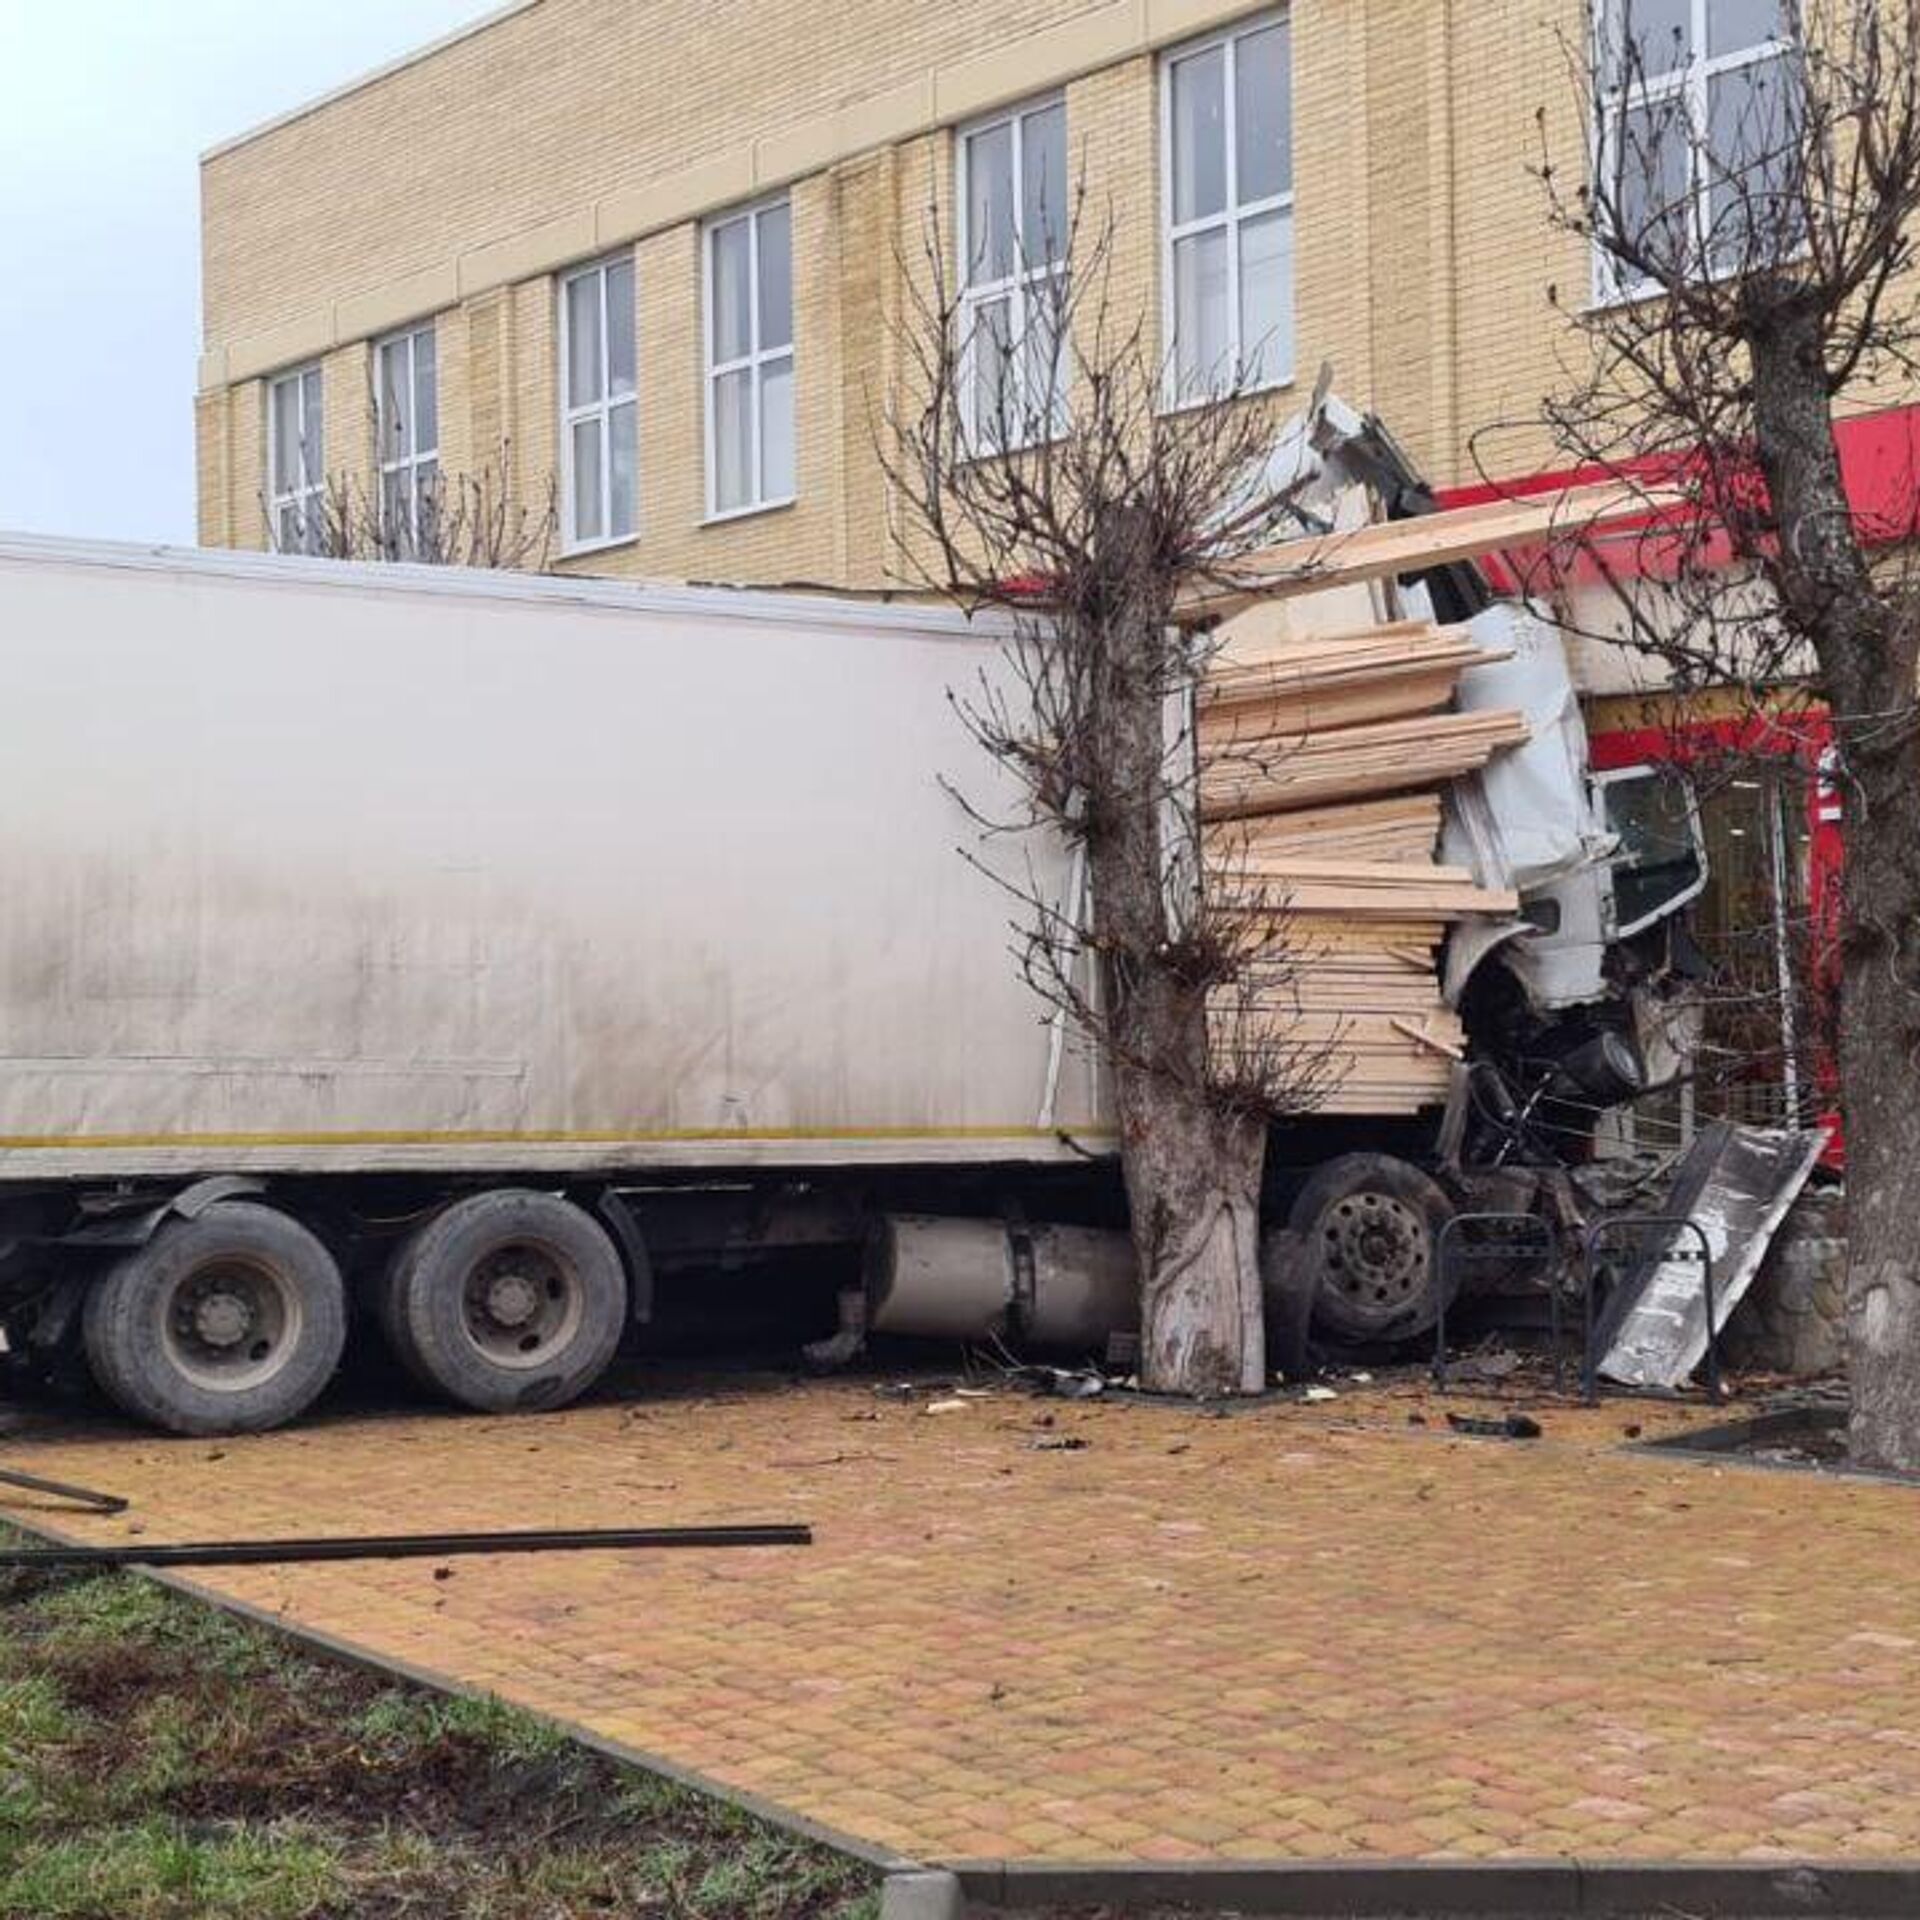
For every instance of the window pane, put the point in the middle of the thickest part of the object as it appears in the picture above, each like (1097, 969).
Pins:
(1750, 163)
(588, 523)
(776, 430)
(1199, 134)
(313, 435)
(1652, 185)
(776, 278)
(396, 511)
(1733, 25)
(426, 392)
(732, 291)
(286, 435)
(625, 469)
(426, 506)
(1266, 298)
(1043, 369)
(991, 243)
(394, 404)
(621, 341)
(583, 340)
(1263, 114)
(1044, 200)
(1658, 33)
(990, 342)
(1200, 311)
(1657, 860)
(733, 441)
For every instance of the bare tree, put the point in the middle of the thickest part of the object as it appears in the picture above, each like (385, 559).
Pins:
(1753, 233)
(435, 519)
(1043, 475)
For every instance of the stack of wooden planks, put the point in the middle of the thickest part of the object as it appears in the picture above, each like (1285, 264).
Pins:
(1323, 761)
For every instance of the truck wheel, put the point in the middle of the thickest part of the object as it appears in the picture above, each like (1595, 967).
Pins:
(1370, 1224)
(504, 1300)
(226, 1323)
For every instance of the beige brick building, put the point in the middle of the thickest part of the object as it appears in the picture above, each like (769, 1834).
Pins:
(1347, 180)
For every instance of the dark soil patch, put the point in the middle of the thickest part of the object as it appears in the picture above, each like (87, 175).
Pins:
(159, 1760)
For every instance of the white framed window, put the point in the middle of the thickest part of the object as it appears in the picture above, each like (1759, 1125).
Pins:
(407, 422)
(1226, 107)
(1694, 116)
(296, 461)
(599, 406)
(1011, 228)
(749, 326)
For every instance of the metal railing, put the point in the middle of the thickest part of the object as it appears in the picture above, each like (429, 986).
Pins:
(1520, 1236)
(1507, 1238)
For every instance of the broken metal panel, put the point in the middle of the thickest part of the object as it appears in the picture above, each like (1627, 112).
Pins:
(1737, 1184)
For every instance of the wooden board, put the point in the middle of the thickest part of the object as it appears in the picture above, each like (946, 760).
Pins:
(1358, 892)
(1354, 701)
(1392, 547)
(1405, 827)
(1349, 762)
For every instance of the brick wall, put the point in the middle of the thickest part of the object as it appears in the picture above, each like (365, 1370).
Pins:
(459, 185)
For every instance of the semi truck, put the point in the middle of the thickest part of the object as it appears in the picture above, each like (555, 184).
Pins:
(462, 952)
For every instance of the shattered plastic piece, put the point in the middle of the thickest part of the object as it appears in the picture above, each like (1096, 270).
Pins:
(1066, 1383)
(1361, 1379)
(1320, 1393)
(946, 1406)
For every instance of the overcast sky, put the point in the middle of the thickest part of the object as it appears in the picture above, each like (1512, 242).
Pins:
(105, 106)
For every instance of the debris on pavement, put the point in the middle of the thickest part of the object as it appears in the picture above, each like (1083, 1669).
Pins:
(1492, 1365)
(1514, 1426)
(1314, 1395)
(1066, 1383)
(1058, 1443)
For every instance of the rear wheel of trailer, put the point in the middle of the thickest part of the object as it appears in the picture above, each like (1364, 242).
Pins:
(506, 1299)
(228, 1322)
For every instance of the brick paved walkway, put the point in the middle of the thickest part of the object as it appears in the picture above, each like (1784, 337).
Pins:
(1292, 1633)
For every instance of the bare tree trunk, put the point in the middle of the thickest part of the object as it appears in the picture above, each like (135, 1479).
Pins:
(1087, 509)
(1192, 1165)
(1193, 1190)
(1868, 668)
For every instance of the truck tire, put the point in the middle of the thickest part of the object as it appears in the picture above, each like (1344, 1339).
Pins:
(506, 1300)
(230, 1322)
(1370, 1225)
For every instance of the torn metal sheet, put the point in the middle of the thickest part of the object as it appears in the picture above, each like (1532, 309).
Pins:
(1737, 1184)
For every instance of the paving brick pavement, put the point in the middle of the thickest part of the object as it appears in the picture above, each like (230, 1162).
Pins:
(1295, 1632)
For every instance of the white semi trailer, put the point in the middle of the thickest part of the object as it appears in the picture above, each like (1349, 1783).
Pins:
(474, 947)
(336, 894)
